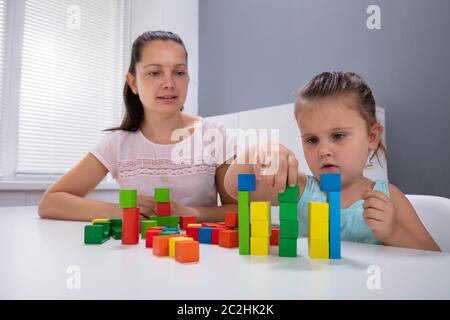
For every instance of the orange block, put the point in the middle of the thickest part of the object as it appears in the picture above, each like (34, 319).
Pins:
(187, 251)
(161, 246)
(275, 236)
(228, 238)
(231, 219)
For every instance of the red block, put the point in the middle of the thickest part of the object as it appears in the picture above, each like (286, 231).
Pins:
(228, 238)
(149, 237)
(231, 219)
(163, 209)
(192, 232)
(215, 234)
(130, 225)
(187, 251)
(185, 220)
(275, 237)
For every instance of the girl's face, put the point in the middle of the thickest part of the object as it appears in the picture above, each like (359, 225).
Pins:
(161, 77)
(335, 137)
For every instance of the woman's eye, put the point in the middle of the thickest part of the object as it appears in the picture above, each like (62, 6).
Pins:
(154, 73)
(311, 140)
(339, 136)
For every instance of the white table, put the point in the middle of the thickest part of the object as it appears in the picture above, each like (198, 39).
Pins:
(36, 254)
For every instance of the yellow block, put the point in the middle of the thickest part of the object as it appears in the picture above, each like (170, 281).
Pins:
(318, 211)
(100, 220)
(319, 249)
(259, 246)
(319, 231)
(260, 229)
(194, 225)
(172, 244)
(260, 210)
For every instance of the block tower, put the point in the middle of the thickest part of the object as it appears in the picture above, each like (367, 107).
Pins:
(324, 219)
(246, 184)
(130, 216)
(260, 228)
(163, 216)
(288, 201)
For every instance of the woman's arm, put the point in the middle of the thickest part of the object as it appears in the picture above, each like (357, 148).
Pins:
(65, 198)
(409, 231)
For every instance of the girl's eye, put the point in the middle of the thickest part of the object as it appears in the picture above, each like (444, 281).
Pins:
(339, 136)
(180, 73)
(311, 140)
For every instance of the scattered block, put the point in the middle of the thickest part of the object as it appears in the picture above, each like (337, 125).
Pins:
(246, 182)
(228, 238)
(187, 251)
(275, 236)
(116, 233)
(192, 231)
(215, 234)
(167, 233)
(185, 220)
(204, 235)
(161, 246)
(172, 244)
(170, 221)
(94, 234)
(150, 234)
(145, 224)
(231, 219)
(106, 228)
(100, 220)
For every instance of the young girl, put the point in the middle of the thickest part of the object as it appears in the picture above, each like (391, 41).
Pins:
(141, 153)
(335, 113)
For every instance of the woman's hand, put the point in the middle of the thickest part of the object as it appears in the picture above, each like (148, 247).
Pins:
(379, 214)
(276, 163)
(147, 207)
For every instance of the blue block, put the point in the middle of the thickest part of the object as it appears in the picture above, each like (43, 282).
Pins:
(246, 182)
(170, 229)
(330, 182)
(334, 201)
(205, 235)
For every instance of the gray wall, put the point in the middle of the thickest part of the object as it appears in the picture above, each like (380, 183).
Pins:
(256, 53)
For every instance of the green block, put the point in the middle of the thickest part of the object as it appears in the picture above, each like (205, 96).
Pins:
(166, 233)
(116, 222)
(128, 198)
(288, 211)
(106, 228)
(93, 234)
(170, 221)
(145, 224)
(287, 248)
(161, 195)
(116, 233)
(288, 229)
(244, 222)
(291, 194)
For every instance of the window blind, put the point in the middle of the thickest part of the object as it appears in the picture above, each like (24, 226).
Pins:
(2, 72)
(71, 81)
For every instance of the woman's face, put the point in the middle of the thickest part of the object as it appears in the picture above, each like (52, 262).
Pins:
(162, 78)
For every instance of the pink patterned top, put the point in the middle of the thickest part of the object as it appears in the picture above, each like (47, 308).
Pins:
(187, 167)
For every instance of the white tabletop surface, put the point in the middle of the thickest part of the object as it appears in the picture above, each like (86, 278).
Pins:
(36, 255)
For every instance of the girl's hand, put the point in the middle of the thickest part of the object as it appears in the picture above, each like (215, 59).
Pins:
(147, 207)
(379, 214)
(276, 163)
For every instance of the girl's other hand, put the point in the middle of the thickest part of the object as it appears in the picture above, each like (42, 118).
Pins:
(148, 208)
(379, 214)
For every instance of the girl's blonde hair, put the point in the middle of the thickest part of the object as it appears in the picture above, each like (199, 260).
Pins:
(329, 84)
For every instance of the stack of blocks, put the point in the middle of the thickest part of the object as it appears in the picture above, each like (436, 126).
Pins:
(130, 216)
(324, 219)
(260, 228)
(163, 216)
(288, 201)
(246, 184)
